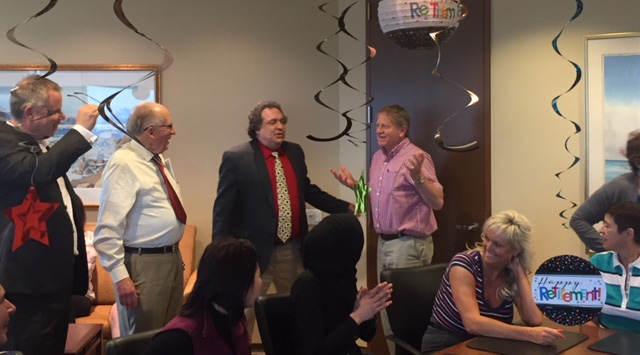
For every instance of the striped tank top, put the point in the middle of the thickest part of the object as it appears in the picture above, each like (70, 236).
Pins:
(445, 312)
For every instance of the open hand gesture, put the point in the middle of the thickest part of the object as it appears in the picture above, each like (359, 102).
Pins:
(344, 176)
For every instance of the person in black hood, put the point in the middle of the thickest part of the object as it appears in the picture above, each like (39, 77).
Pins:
(329, 312)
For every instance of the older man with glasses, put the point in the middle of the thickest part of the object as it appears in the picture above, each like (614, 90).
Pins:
(140, 223)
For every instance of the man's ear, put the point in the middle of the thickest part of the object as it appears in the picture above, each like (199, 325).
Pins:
(28, 111)
(630, 233)
(403, 130)
(149, 132)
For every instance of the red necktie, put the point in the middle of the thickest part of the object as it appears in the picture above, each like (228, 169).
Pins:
(173, 196)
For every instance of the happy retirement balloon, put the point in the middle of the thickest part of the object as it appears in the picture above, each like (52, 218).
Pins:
(408, 23)
(568, 290)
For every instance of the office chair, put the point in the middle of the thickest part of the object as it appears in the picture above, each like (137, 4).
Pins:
(130, 344)
(414, 291)
(275, 324)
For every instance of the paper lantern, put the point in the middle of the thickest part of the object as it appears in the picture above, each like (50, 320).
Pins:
(409, 23)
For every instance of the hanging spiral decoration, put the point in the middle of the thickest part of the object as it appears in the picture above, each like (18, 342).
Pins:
(473, 99)
(53, 66)
(576, 126)
(342, 78)
(105, 105)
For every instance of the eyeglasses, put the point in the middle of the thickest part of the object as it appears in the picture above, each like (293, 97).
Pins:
(54, 114)
(169, 126)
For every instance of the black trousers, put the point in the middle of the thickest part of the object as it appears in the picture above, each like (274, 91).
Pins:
(40, 323)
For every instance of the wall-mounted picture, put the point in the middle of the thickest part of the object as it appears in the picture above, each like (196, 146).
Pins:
(89, 84)
(612, 103)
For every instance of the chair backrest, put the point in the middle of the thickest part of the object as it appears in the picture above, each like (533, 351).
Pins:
(275, 324)
(414, 291)
(131, 344)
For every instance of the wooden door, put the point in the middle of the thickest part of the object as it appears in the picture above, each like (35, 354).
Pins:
(401, 76)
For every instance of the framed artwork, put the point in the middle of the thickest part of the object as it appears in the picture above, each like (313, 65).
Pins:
(612, 103)
(89, 84)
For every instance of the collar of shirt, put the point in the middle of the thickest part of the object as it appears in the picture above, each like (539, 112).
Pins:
(267, 152)
(616, 262)
(143, 152)
(405, 142)
(44, 145)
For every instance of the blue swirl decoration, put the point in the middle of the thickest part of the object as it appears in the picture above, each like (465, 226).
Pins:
(576, 127)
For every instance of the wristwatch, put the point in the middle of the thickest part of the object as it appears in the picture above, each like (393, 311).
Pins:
(420, 181)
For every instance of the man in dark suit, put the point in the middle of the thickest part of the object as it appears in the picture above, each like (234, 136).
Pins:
(262, 190)
(40, 270)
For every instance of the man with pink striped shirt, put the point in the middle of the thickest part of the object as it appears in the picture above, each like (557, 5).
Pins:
(404, 193)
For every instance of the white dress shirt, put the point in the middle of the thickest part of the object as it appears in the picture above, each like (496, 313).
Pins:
(135, 210)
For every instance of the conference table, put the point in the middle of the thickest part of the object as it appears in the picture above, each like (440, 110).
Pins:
(594, 333)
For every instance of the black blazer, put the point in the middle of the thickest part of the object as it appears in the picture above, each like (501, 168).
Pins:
(245, 207)
(35, 268)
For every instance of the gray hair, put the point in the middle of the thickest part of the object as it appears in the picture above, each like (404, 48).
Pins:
(143, 117)
(517, 228)
(32, 91)
(255, 116)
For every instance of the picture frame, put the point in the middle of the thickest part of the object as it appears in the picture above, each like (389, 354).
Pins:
(612, 105)
(91, 84)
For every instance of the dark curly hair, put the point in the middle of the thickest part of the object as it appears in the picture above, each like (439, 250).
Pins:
(255, 116)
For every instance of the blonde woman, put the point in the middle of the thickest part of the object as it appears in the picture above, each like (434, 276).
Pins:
(480, 287)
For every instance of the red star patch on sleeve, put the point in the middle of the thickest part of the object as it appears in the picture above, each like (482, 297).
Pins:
(30, 219)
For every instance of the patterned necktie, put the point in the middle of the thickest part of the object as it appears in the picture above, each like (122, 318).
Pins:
(284, 204)
(173, 196)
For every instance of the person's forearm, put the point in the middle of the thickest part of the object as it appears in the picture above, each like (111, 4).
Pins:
(431, 194)
(485, 326)
(527, 307)
(587, 234)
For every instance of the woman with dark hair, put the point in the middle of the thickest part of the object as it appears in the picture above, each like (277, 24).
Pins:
(212, 320)
(329, 311)
(624, 188)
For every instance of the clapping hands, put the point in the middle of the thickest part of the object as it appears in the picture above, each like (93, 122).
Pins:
(371, 302)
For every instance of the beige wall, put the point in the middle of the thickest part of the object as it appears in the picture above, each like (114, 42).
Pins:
(229, 55)
(527, 136)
